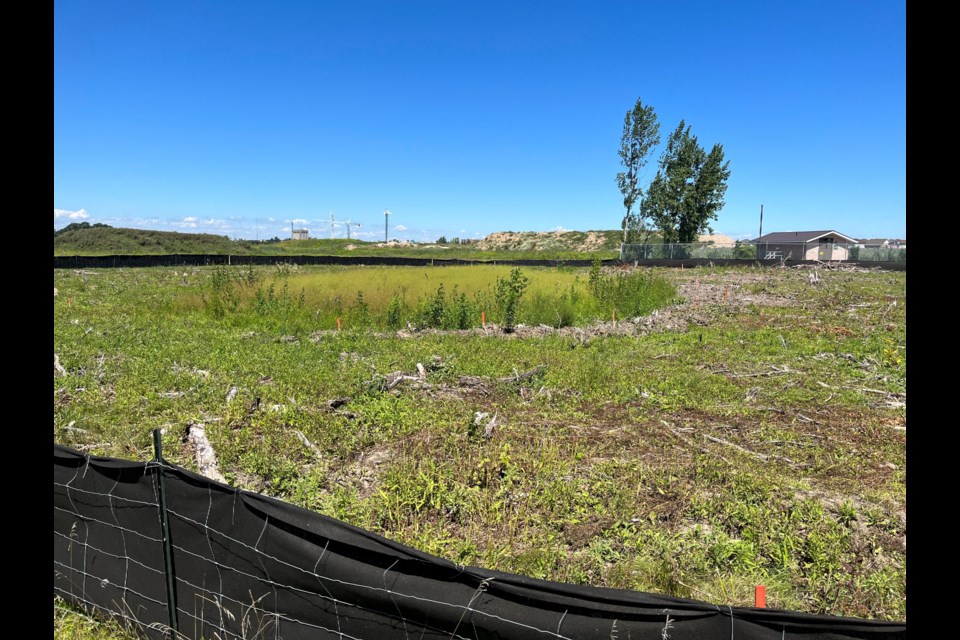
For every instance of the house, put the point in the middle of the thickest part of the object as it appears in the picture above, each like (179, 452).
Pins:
(300, 234)
(804, 245)
(881, 243)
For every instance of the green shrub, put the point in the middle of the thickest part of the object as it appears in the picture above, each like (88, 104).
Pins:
(509, 292)
(394, 311)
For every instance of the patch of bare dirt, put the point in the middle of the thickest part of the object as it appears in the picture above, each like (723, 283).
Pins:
(363, 472)
(581, 534)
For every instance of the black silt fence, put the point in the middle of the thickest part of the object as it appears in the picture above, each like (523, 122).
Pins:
(201, 260)
(245, 565)
(198, 260)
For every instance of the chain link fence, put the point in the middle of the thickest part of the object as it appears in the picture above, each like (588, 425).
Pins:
(748, 251)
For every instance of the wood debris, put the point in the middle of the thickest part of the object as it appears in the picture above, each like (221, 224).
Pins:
(57, 367)
(206, 458)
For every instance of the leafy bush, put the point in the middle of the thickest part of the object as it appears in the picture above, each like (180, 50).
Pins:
(394, 311)
(509, 291)
(744, 251)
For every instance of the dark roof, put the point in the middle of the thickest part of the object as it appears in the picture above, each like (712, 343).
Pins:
(879, 241)
(784, 237)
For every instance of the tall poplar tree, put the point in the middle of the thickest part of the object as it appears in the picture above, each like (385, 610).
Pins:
(641, 133)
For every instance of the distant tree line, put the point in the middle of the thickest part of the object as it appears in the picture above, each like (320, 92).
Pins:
(73, 226)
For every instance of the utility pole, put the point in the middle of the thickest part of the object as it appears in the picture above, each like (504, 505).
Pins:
(386, 213)
(331, 224)
(761, 220)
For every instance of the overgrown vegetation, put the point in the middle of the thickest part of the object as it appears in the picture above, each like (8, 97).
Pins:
(755, 432)
(294, 299)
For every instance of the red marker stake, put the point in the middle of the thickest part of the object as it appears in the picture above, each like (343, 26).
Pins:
(483, 318)
(338, 324)
(761, 596)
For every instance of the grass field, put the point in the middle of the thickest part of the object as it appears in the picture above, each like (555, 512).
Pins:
(751, 429)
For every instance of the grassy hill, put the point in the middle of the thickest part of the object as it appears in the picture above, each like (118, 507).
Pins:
(81, 239)
(99, 239)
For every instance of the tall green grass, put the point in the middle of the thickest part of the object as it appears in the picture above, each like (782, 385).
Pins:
(295, 300)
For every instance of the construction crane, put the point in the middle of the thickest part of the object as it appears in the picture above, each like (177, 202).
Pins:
(349, 223)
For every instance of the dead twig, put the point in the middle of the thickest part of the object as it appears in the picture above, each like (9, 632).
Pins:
(520, 377)
(309, 445)
(727, 443)
(774, 371)
(690, 442)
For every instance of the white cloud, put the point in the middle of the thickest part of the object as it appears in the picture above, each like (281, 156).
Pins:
(299, 221)
(560, 229)
(400, 227)
(189, 222)
(70, 215)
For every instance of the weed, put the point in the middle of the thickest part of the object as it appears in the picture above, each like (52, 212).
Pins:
(394, 313)
(509, 291)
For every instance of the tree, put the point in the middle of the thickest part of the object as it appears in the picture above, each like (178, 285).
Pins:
(688, 190)
(641, 133)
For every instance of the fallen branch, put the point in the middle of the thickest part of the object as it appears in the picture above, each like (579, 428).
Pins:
(887, 310)
(57, 366)
(477, 381)
(395, 378)
(520, 377)
(206, 458)
(773, 372)
(895, 394)
(735, 446)
(314, 448)
(690, 442)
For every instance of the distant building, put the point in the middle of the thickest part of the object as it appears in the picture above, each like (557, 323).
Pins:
(804, 245)
(881, 243)
(300, 234)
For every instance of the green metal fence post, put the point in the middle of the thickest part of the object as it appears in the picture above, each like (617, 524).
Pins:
(165, 527)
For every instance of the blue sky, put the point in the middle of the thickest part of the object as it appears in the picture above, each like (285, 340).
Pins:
(464, 118)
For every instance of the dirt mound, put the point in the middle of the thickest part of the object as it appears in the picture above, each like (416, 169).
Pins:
(559, 240)
(562, 240)
(718, 239)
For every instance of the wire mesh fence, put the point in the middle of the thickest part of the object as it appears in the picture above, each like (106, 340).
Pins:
(246, 566)
(763, 251)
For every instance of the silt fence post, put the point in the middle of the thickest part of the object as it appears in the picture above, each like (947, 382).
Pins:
(165, 528)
